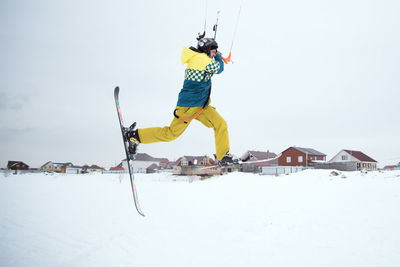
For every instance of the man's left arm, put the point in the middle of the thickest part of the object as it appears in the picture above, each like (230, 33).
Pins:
(216, 66)
(218, 58)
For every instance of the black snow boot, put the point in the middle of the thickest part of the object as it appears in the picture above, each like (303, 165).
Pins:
(132, 136)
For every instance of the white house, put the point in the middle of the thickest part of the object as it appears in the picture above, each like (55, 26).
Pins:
(52, 167)
(73, 169)
(141, 162)
(363, 162)
(94, 168)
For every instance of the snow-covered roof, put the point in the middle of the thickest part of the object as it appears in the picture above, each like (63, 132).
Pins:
(257, 155)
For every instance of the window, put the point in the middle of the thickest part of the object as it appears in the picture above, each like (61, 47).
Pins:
(288, 159)
(185, 163)
(344, 157)
(300, 159)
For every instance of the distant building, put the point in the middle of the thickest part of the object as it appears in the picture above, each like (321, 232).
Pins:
(94, 168)
(256, 167)
(144, 163)
(165, 164)
(118, 169)
(355, 160)
(392, 167)
(141, 162)
(299, 156)
(152, 168)
(17, 165)
(193, 165)
(52, 167)
(72, 169)
(65, 166)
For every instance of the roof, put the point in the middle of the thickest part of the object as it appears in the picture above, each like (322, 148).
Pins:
(390, 167)
(12, 163)
(162, 160)
(95, 167)
(309, 151)
(359, 155)
(260, 155)
(144, 157)
(46, 164)
(57, 164)
(118, 168)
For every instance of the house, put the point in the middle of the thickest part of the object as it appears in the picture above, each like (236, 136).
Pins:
(152, 168)
(299, 156)
(72, 169)
(256, 167)
(117, 169)
(193, 165)
(141, 162)
(392, 167)
(165, 164)
(93, 169)
(65, 166)
(17, 165)
(52, 167)
(84, 168)
(352, 160)
(257, 155)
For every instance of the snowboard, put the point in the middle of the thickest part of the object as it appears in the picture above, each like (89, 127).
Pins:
(129, 157)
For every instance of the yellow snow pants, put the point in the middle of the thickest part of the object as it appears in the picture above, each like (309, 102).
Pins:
(209, 117)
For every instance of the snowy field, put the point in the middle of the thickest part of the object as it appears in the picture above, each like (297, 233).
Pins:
(304, 219)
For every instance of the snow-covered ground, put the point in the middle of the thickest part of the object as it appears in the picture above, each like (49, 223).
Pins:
(303, 219)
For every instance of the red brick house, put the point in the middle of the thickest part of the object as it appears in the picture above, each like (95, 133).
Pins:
(299, 156)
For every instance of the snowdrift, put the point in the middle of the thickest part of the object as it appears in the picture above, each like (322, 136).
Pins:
(305, 219)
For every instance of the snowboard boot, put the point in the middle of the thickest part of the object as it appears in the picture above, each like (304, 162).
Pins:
(228, 159)
(132, 137)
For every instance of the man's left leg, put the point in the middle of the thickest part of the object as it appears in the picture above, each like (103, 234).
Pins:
(211, 119)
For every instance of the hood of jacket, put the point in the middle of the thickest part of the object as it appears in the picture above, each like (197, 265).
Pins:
(195, 59)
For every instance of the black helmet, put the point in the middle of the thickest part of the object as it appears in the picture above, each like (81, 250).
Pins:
(207, 44)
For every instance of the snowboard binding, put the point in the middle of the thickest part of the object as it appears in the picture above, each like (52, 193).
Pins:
(131, 136)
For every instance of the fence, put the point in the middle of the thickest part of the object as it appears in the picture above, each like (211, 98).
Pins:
(340, 166)
(276, 170)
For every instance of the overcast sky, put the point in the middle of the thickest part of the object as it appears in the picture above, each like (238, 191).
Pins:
(319, 74)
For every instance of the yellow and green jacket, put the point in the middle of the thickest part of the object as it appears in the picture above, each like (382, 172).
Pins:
(197, 83)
